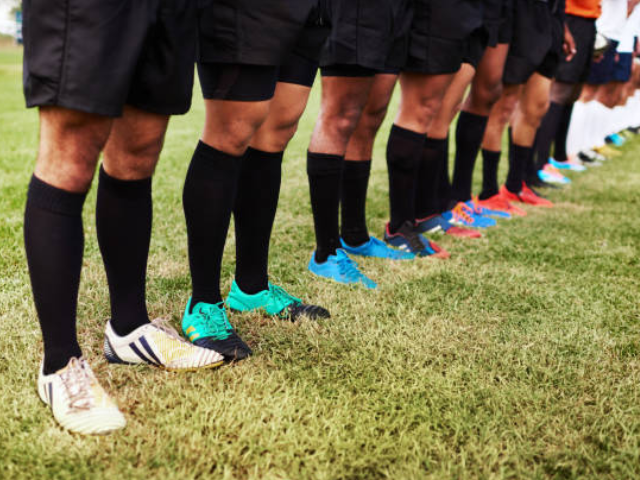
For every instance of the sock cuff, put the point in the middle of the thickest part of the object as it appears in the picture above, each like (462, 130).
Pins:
(435, 143)
(255, 155)
(124, 188)
(320, 164)
(487, 152)
(472, 117)
(210, 157)
(54, 199)
(405, 133)
(519, 149)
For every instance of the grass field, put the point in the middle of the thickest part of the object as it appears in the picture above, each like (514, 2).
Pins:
(517, 358)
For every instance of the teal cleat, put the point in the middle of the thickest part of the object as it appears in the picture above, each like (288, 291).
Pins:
(275, 302)
(206, 325)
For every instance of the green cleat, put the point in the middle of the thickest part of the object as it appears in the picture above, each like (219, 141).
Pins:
(275, 302)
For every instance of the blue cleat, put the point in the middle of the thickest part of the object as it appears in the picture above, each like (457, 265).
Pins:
(615, 139)
(341, 268)
(432, 224)
(377, 249)
(486, 212)
(463, 216)
(568, 165)
(408, 239)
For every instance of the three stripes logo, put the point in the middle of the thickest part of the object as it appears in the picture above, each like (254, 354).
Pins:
(145, 352)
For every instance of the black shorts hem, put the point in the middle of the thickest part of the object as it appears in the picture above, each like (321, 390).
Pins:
(237, 82)
(160, 110)
(85, 107)
(348, 70)
(298, 70)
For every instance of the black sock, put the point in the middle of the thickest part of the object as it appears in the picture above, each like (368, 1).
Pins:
(254, 214)
(123, 222)
(518, 158)
(444, 195)
(469, 133)
(430, 176)
(54, 242)
(531, 166)
(404, 150)
(547, 133)
(355, 180)
(560, 144)
(208, 197)
(325, 178)
(490, 162)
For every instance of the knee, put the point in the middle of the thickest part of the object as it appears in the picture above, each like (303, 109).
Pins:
(281, 134)
(424, 111)
(506, 109)
(491, 95)
(234, 138)
(373, 116)
(485, 97)
(139, 157)
(532, 112)
(70, 144)
(343, 122)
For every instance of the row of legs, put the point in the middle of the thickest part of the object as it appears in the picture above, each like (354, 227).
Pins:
(236, 169)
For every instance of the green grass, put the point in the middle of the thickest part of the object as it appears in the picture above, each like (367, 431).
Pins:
(518, 358)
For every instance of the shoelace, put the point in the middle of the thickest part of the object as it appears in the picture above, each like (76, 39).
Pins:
(216, 323)
(282, 298)
(460, 211)
(348, 268)
(163, 325)
(477, 209)
(77, 382)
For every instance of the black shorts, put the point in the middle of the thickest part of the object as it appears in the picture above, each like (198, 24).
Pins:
(476, 44)
(255, 32)
(251, 82)
(498, 21)
(584, 34)
(537, 42)
(439, 34)
(371, 34)
(97, 56)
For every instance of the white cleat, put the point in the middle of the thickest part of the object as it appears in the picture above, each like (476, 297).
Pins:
(158, 344)
(77, 400)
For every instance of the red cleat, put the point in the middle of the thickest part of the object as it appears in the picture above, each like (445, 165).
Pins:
(462, 232)
(526, 195)
(532, 198)
(498, 202)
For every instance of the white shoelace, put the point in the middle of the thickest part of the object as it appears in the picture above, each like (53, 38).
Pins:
(77, 382)
(164, 325)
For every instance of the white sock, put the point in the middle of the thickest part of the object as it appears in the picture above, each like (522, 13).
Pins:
(576, 126)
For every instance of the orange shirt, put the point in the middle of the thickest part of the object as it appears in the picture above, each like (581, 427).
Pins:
(584, 8)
